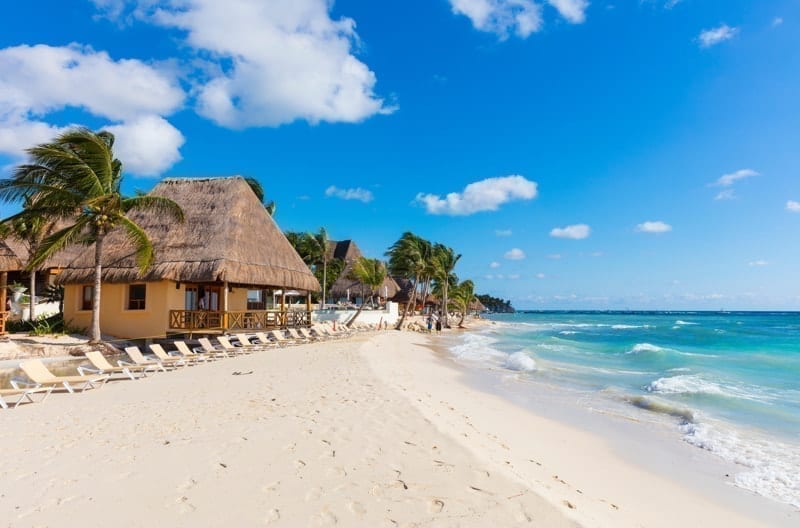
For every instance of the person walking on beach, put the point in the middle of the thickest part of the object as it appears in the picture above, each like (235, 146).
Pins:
(430, 323)
(438, 325)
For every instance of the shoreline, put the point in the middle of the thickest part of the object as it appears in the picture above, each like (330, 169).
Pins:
(376, 430)
(637, 445)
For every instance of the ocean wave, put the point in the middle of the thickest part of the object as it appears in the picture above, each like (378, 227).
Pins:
(640, 348)
(568, 332)
(520, 361)
(685, 323)
(476, 347)
(695, 384)
(628, 327)
(771, 466)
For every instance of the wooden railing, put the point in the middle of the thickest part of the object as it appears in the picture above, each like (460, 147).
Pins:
(3, 318)
(205, 320)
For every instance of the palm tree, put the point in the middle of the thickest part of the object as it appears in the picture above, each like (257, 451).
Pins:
(369, 272)
(408, 258)
(30, 228)
(317, 244)
(444, 261)
(76, 179)
(258, 190)
(462, 297)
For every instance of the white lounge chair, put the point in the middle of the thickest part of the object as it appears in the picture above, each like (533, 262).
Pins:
(100, 365)
(23, 393)
(167, 359)
(39, 374)
(139, 359)
(192, 355)
(230, 348)
(206, 349)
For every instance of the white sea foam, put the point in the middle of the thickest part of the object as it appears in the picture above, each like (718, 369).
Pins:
(568, 332)
(685, 323)
(771, 466)
(695, 384)
(640, 348)
(628, 327)
(520, 361)
(477, 347)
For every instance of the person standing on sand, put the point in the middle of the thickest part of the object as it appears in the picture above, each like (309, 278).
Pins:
(430, 323)
(438, 325)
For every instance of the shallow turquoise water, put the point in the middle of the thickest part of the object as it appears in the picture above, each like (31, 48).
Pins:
(730, 380)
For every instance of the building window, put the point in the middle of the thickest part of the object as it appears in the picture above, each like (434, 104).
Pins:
(255, 300)
(87, 296)
(136, 296)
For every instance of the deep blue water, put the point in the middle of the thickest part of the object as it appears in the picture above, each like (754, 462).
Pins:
(730, 381)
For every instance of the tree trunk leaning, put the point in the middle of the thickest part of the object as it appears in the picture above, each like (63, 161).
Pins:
(95, 336)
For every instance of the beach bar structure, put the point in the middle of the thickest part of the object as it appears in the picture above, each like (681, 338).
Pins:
(214, 273)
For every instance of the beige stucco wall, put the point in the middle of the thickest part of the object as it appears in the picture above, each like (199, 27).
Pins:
(116, 320)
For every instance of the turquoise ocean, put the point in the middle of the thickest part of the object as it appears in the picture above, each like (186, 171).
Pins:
(727, 383)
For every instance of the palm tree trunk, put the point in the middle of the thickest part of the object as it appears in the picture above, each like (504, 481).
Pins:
(324, 280)
(463, 315)
(32, 304)
(411, 300)
(95, 336)
(445, 310)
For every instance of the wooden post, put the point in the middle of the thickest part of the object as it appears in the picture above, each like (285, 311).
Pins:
(3, 293)
(283, 308)
(308, 308)
(224, 305)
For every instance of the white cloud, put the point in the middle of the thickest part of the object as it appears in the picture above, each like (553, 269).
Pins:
(485, 195)
(271, 62)
(357, 193)
(147, 146)
(520, 17)
(653, 227)
(494, 265)
(669, 4)
(555, 256)
(793, 206)
(37, 81)
(777, 21)
(727, 194)
(712, 37)
(540, 276)
(573, 10)
(514, 254)
(574, 232)
(758, 263)
(726, 180)
(515, 276)
(502, 232)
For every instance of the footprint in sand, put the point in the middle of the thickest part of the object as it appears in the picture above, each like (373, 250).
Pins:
(184, 506)
(271, 487)
(357, 508)
(435, 506)
(325, 518)
(272, 516)
(313, 494)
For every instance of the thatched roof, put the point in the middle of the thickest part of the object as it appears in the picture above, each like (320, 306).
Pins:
(227, 236)
(9, 257)
(348, 251)
(14, 254)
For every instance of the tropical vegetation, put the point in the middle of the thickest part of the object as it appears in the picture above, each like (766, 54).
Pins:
(76, 180)
(370, 273)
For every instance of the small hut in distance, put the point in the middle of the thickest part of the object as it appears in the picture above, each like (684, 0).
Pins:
(215, 272)
(347, 290)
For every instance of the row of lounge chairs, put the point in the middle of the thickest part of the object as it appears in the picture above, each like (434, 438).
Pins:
(41, 381)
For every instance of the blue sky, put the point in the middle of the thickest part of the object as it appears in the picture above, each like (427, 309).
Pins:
(640, 154)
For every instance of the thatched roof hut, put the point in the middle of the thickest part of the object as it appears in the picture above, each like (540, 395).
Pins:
(228, 236)
(348, 251)
(10, 256)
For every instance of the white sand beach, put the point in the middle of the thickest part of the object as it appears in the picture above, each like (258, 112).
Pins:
(369, 431)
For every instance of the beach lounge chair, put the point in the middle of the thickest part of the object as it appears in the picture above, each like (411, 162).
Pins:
(280, 337)
(233, 350)
(138, 358)
(167, 359)
(23, 393)
(266, 342)
(245, 341)
(308, 335)
(297, 337)
(39, 374)
(206, 349)
(192, 355)
(100, 365)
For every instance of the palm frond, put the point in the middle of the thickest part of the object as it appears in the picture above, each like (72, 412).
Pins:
(141, 243)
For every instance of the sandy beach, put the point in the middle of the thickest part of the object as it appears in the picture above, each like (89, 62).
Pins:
(375, 430)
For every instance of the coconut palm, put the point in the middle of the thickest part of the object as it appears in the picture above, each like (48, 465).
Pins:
(408, 258)
(371, 273)
(462, 297)
(444, 262)
(77, 180)
(317, 244)
(258, 190)
(31, 229)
